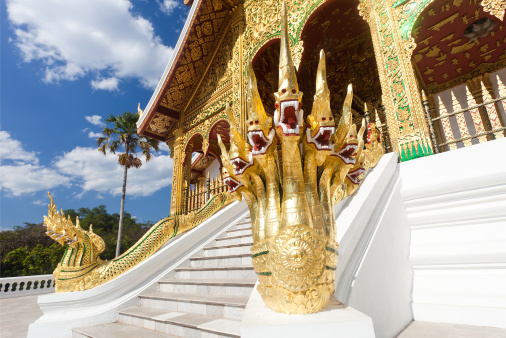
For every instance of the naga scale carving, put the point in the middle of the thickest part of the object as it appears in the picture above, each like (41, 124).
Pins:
(81, 267)
(291, 199)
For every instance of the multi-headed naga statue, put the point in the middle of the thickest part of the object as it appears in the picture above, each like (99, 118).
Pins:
(291, 200)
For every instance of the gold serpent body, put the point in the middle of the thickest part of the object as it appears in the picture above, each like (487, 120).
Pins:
(82, 269)
(294, 252)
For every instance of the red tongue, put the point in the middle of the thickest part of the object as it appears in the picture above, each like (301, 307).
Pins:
(327, 136)
(258, 142)
(292, 122)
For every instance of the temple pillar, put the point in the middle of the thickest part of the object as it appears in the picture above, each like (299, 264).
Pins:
(178, 154)
(238, 67)
(408, 126)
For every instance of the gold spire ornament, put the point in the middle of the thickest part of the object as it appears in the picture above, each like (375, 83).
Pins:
(291, 201)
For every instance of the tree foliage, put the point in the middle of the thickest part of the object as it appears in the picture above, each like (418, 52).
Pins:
(26, 250)
(123, 137)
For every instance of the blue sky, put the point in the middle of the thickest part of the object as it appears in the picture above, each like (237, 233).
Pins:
(65, 66)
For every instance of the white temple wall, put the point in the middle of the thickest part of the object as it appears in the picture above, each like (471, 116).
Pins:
(213, 169)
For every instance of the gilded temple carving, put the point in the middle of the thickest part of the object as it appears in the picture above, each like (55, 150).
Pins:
(202, 43)
(223, 96)
(262, 23)
(470, 50)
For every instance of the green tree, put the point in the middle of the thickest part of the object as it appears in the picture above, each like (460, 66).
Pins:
(122, 136)
(39, 260)
(27, 250)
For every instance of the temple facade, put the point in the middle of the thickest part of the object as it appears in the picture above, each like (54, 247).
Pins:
(428, 73)
(422, 240)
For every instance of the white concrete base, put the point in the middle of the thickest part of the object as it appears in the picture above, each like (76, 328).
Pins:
(335, 320)
(456, 207)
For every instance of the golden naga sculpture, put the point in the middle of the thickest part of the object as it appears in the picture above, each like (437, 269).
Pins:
(81, 268)
(291, 200)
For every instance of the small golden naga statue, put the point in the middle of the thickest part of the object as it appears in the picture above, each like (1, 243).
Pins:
(81, 267)
(291, 200)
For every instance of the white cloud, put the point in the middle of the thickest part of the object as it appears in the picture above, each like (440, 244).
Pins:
(164, 147)
(110, 84)
(23, 174)
(88, 37)
(27, 178)
(103, 174)
(95, 135)
(168, 6)
(85, 168)
(95, 120)
(11, 149)
(40, 202)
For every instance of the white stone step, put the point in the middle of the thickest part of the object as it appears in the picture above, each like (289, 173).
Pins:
(234, 249)
(216, 272)
(226, 306)
(243, 225)
(424, 329)
(231, 240)
(239, 232)
(116, 330)
(226, 260)
(180, 324)
(233, 287)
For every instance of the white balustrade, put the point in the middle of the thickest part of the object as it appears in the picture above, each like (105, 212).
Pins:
(26, 286)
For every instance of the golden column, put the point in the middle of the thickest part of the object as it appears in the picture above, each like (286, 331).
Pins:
(406, 120)
(177, 151)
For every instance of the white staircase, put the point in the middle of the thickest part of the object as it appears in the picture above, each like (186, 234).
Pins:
(456, 208)
(205, 298)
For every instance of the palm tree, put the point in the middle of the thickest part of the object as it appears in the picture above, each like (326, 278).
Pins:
(123, 136)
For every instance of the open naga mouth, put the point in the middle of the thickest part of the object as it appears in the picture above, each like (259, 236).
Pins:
(347, 153)
(289, 117)
(240, 165)
(63, 237)
(232, 184)
(259, 142)
(356, 176)
(322, 139)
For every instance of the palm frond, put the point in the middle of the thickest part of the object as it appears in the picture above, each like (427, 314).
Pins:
(101, 140)
(103, 149)
(135, 162)
(114, 146)
(123, 160)
(122, 134)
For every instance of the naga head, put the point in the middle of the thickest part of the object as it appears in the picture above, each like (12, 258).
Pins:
(260, 132)
(288, 116)
(231, 181)
(321, 125)
(356, 173)
(227, 170)
(345, 138)
(239, 154)
(62, 230)
(373, 135)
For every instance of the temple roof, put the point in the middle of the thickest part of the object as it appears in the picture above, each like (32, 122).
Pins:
(194, 50)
